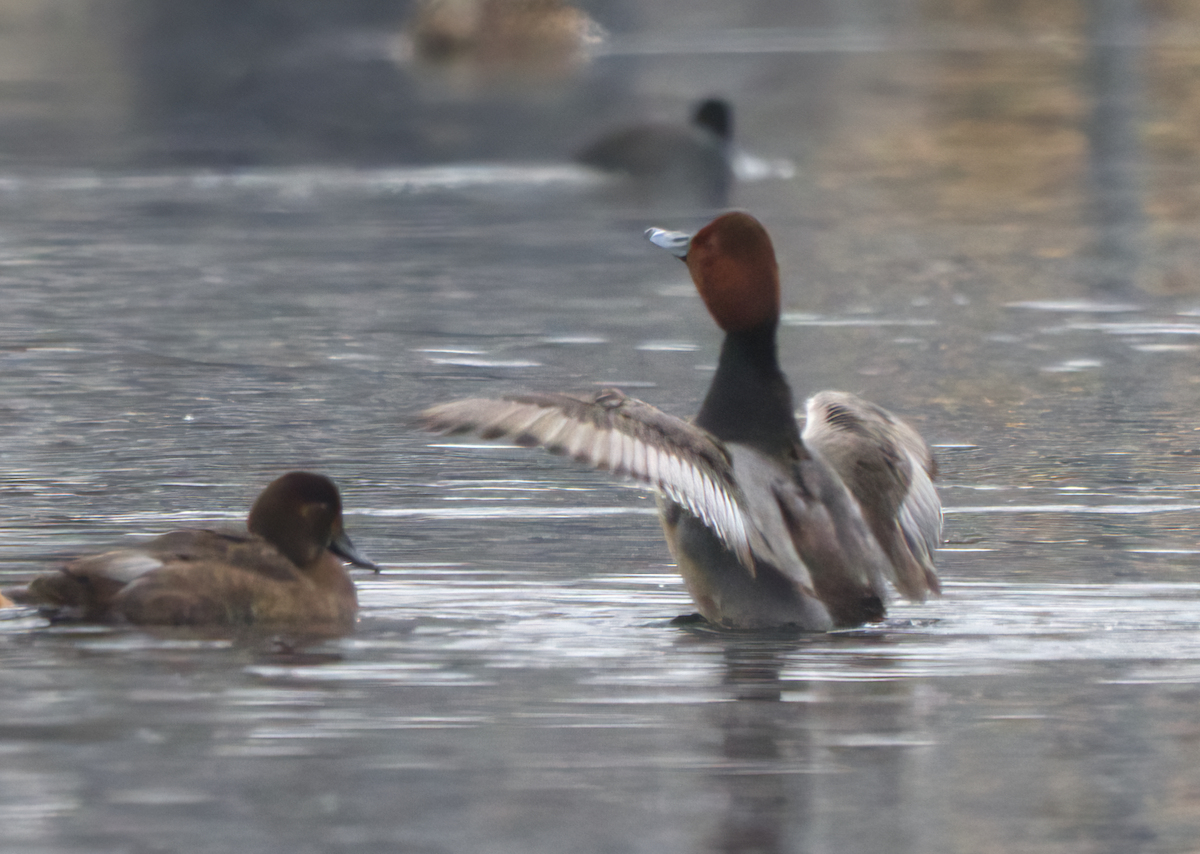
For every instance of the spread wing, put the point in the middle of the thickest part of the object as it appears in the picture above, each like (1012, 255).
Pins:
(889, 470)
(623, 435)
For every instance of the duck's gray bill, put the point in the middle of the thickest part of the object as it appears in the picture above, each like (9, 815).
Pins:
(675, 242)
(343, 548)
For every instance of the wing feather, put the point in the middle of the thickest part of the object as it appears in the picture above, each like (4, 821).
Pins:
(888, 468)
(617, 433)
(920, 520)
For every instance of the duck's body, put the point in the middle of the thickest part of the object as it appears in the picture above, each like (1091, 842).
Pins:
(286, 570)
(769, 529)
(671, 159)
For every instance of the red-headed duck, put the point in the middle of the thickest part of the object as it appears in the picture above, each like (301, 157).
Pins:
(770, 528)
(670, 159)
(287, 570)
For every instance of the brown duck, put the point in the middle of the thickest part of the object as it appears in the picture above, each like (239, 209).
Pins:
(286, 570)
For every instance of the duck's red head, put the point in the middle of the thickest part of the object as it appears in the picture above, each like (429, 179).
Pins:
(733, 265)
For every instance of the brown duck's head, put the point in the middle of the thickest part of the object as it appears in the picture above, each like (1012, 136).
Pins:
(301, 515)
(732, 262)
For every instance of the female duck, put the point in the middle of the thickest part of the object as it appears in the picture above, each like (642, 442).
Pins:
(769, 528)
(286, 570)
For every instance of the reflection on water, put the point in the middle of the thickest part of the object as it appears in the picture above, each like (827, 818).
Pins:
(1009, 695)
(1116, 36)
(174, 337)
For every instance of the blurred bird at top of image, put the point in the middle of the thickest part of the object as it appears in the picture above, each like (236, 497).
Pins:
(481, 42)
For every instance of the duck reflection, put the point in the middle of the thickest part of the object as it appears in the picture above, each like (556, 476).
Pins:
(758, 802)
(801, 759)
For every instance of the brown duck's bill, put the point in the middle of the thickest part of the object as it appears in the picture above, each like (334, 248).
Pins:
(343, 548)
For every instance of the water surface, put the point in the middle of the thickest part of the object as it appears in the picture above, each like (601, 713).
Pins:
(969, 235)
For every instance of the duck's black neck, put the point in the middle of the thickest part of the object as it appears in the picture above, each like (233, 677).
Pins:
(749, 401)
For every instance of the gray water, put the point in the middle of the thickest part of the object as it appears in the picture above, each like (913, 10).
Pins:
(985, 222)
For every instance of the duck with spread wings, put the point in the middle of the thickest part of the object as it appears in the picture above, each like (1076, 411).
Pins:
(770, 527)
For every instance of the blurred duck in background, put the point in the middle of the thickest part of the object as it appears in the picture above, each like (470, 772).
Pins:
(488, 41)
(666, 160)
(770, 528)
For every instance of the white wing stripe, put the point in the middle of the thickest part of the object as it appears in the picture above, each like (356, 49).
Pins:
(581, 438)
(637, 461)
(597, 450)
(674, 474)
(653, 468)
(627, 455)
(616, 459)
